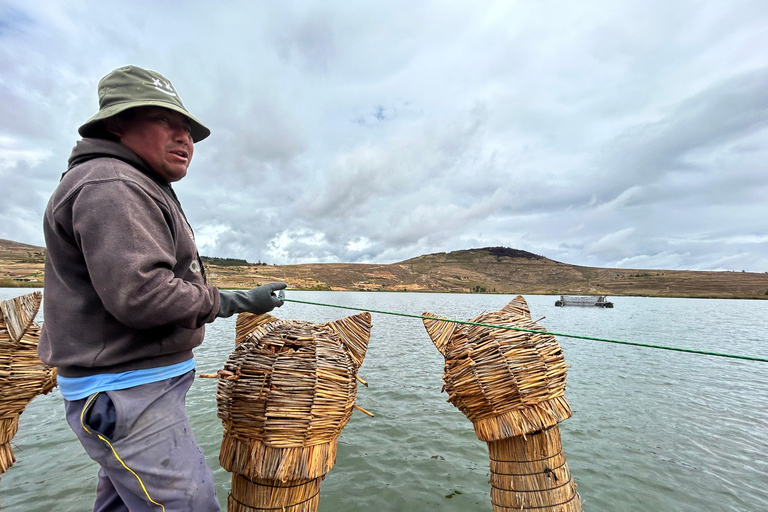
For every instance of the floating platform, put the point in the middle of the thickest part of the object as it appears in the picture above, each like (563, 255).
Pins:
(584, 300)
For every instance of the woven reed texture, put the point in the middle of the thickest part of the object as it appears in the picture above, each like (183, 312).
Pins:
(247, 323)
(530, 473)
(253, 459)
(511, 385)
(256, 495)
(8, 429)
(508, 383)
(22, 375)
(283, 396)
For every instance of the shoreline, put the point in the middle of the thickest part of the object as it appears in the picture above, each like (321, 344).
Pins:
(40, 285)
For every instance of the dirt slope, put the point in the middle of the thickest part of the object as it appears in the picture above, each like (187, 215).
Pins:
(486, 270)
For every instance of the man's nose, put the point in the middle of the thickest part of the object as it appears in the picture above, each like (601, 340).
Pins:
(181, 134)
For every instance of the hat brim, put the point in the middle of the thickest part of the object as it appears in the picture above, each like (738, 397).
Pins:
(95, 127)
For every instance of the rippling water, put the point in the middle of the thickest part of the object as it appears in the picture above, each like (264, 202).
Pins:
(652, 430)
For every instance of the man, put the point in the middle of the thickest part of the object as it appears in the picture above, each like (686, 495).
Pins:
(126, 297)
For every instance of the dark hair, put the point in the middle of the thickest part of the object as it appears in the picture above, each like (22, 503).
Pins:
(127, 114)
(104, 133)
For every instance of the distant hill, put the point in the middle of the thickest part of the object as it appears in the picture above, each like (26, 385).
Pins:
(486, 254)
(11, 247)
(485, 270)
(503, 270)
(21, 264)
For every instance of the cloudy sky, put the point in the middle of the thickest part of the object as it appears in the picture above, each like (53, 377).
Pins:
(611, 134)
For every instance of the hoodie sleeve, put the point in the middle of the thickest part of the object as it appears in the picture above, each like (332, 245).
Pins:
(136, 254)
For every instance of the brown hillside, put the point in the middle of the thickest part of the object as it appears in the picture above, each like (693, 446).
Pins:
(510, 271)
(21, 264)
(491, 269)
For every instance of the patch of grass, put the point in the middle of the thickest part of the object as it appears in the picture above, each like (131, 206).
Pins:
(10, 283)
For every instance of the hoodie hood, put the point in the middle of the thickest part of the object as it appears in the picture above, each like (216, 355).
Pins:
(88, 149)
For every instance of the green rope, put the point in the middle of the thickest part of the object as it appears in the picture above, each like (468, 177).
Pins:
(646, 345)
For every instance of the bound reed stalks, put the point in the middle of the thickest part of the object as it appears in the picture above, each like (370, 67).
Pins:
(22, 375)
(283, 396)
(511, 386)
(264, 494)
(530, 473)
(8, 429)
(507, 383)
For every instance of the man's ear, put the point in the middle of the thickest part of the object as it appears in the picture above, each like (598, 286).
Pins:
(115, 126)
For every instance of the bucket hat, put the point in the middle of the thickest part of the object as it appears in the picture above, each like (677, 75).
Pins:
(130, 87)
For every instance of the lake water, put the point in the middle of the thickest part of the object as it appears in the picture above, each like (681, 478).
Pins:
(651, 430)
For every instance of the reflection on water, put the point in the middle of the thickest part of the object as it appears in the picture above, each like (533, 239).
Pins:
(651, 430)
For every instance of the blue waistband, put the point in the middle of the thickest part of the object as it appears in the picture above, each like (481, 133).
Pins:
(75, 388)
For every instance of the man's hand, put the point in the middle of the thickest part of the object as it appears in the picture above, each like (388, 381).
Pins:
(256, 300)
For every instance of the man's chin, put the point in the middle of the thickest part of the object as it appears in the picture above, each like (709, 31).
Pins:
(172, 175)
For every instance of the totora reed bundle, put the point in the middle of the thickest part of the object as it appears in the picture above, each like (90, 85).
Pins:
(284, 395)
(22, 375)
(511, 385)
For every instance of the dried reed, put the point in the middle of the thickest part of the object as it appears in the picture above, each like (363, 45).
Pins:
(511, 385)
(530, 473)
(265, 494)
(507, 383)
(22, 375)
(284, 395)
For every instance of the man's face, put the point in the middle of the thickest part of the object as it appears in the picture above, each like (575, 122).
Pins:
(161, 137)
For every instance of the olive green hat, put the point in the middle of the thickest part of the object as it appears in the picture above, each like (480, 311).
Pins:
(130, 87)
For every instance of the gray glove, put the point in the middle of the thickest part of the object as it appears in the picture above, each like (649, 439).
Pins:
(256, 300)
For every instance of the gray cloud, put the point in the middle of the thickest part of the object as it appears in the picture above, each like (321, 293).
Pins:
(624, 135)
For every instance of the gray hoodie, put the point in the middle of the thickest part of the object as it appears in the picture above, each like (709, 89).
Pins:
(124, 285)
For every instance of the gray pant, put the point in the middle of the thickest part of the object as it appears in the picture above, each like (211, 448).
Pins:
(143, 442)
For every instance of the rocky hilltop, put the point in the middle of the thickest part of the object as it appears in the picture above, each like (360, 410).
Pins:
(499, 269)
(486, 270)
